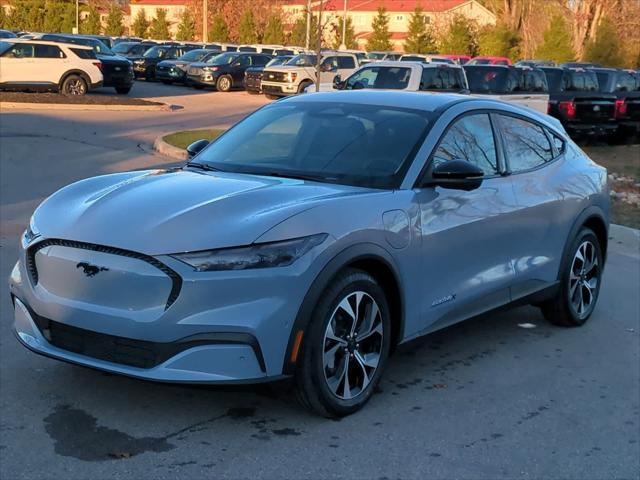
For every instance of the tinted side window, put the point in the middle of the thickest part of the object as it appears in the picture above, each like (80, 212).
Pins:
(526, 145)
(625, 82)
(558, 143)
(19, 51)
(441, 79)
(84, 54)
(260, 60)
(47, 51)
(346, 62)
(469, 138)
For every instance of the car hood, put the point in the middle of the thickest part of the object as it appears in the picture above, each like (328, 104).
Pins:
(168, 63)
(169, 211)
(113, 59)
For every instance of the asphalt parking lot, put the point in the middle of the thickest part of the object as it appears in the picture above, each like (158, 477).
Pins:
(482, 400)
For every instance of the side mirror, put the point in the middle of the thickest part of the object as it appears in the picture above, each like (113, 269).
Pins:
(457, 175)
(337, 83)
(196, 147)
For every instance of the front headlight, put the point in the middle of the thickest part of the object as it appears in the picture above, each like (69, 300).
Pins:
(258, 255)
(30, 234)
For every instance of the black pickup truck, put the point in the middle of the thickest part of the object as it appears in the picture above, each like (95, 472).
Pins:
(625, 85)
(575, 99)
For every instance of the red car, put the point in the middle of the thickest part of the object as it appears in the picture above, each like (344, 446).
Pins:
(489, 61)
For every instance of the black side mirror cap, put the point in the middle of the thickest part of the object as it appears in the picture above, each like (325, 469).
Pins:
(457, 175)
(196, 147)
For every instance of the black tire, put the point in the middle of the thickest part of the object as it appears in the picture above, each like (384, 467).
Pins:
(73, 85)
(576, 284)
(271, 97)
(224, 83)
(312, 384)
(123, 90)
(303, 85)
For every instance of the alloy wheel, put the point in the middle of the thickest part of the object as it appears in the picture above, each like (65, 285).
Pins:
(225, 84)
(76, 87)
(583, 279)
(352, 345)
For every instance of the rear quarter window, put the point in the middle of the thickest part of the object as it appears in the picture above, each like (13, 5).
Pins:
(84, 54)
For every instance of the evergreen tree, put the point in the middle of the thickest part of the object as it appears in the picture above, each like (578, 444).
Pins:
(420, 37)
(4, 18)
(27, 15)
(247, 28)
(140, 25)
(460, 37)
(218, 32)
(159, 28)
(500, 41)
(114, 25)
(187, 27)
(68, 22)
(350, 35)
(381, 38)
(556, 44)
(298, 35)
(273, 32)
(91, 24)
(53, 11)
(605, 47)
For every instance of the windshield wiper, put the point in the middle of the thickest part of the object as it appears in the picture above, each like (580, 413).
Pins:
(203, 166)
(297, 176)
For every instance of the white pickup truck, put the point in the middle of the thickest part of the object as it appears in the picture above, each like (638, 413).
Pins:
(524, 86)
(396, 75)
(300, 72)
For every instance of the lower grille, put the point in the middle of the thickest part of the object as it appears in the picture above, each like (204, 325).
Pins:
(130, 352)
(271, 89)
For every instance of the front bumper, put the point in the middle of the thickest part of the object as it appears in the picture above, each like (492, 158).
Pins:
(173, 74)
(231, 326)
(279, 89)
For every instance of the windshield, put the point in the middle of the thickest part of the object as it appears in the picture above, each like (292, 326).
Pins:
(376, 55)
(194, 55)
(391, 78)
(351, 144)
(123, 47)
(491, 79)
(157, 52)
(278, 61)
(303, 60)
(222, 59)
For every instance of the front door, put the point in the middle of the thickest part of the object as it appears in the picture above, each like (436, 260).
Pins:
(464, 233)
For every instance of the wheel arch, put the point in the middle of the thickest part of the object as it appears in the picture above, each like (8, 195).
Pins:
(75, 71)
(368, 257)
(593, 218)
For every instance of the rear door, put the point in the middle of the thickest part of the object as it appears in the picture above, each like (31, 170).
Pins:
(535, 159)
(52, 60)
(238, 68)
(346, 65)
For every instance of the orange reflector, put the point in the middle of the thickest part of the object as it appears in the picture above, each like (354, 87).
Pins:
(296, 346)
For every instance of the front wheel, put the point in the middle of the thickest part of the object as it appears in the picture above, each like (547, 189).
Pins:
(303, 85)
(345, 347)
(224, 83)
(579, 283)
(123, 90)
(74, 85)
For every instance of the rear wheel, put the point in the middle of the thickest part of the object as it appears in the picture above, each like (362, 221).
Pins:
(271, 97)
(579, 283)
(345, 347)
(224, 83)
(123, 90)
(73, 85)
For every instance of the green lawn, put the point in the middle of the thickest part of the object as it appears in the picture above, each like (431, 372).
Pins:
(187, 137)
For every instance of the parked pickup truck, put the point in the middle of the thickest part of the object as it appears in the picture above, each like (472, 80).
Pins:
(401, 75)
(526, 87)
(300, 72)
(625, 85)
(576, 101)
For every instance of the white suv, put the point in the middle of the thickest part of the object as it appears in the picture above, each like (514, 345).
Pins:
(38, 65)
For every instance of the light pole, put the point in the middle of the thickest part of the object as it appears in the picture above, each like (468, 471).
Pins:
(77, 29)
(343, 45)
(205, 23)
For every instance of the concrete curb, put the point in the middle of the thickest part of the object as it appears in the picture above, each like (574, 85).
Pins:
(162, 147)
(79, 106)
